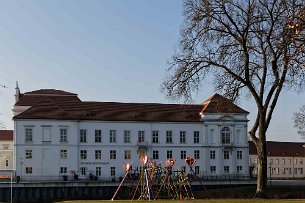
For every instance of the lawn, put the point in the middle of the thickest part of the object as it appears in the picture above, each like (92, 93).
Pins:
(195, 201)
(276, 194)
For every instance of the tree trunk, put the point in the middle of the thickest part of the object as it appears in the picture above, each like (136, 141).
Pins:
(261, 189)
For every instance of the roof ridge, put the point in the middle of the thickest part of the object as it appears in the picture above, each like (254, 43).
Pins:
(43, 98)
(44, 92)
(149, 103)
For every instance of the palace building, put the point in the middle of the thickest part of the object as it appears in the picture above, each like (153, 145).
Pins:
(6, 149)
(286, 160)
(56, 134)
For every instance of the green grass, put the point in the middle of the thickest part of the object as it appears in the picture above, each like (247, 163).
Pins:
(195, 201)
(276, 194)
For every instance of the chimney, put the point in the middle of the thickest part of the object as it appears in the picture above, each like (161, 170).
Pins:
(17, 93)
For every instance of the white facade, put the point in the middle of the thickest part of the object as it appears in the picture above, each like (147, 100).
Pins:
(57, 134)
(43, 157)
(6, 154)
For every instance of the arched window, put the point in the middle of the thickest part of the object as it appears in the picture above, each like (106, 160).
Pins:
(225, 135)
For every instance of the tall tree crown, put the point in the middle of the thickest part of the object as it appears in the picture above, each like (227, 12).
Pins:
(252, 45)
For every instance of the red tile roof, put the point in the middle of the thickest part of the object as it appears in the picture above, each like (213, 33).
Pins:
(6, 135)
(220, 104)
(50, 92)
(281, 149)
(70, 108)
(30, 98)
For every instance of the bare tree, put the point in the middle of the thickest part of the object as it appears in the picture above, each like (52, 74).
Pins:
(249, 47)
(299, 121)
(2, 126)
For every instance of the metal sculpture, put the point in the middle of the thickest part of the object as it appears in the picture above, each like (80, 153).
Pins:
(127, 168)
(153, 181)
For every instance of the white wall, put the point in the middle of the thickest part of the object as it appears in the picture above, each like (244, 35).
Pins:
(46, 155)
(6, 154)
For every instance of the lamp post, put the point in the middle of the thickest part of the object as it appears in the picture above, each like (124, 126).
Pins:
(21, 163)
(11, 186)
(270, 170)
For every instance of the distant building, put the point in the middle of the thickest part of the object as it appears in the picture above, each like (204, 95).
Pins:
(6, 149)
(285, 159)
(57, 134)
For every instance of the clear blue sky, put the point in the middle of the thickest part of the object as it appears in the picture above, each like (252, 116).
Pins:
(104, 51)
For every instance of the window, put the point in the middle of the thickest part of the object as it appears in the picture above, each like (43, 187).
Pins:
(98, 154)
(277, 161)
(28, 134)
(255, 160)
(301, 161)
(112, 154)
(271, 161)
(169, 136)
(112, 171)
(212, 136)
(289, 171)
(112, 136)
(271, 170)
(295, 161)
(239, 154)
(283, 161)
(183, 154)
(98, 135)
(196, 137)
(28, 154)
(83, 135)
(63, 169)
(141, 136)
(239, 137)
(196, 154)
(213, 169)
(83, 171)
(126, 136)
(283, 171)
(155, 136)
(127, 154)
(169, 154)
(295, 171)
(155, 154)
(301, 171)
(197, 170)
(239, 169)
(63, 135)
(226, 169)
(277, 171)
(226, 155)
(5, 146)
(289, 161)
(63, 154)
(28, 170)
(182, 137)
(225, 135)
(46, 134)
(83, 154)
(212, 154)
(98, 171)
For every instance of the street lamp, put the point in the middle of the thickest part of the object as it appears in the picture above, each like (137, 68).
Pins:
(270, 170)
(21, 162)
